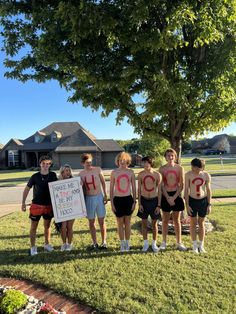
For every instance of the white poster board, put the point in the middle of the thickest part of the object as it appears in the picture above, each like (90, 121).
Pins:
(67, 199)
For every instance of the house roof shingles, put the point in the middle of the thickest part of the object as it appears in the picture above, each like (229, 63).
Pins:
(108, 145)
(74, 138)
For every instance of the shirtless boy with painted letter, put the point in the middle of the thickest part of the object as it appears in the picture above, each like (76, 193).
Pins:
(171, 201)
(95, 198)
(123, 197)
(149, 200)
(198, 201)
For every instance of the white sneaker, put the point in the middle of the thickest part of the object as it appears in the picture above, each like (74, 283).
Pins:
(68, 247)
(122, 246)
(162, 246)
(33, 251)
(155, 248)
(145, 246)
(48, 247)
(202, 250)
(195, 248)
(181, 247)
(127, 246)
(63, 247)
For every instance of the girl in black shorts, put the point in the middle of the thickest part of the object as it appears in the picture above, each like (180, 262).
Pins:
(123, 196)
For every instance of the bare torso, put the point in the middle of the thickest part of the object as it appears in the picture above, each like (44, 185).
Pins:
(197, 184)
(91, 181)
(149, 181)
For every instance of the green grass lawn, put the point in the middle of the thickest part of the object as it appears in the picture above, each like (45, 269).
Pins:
(134, 282)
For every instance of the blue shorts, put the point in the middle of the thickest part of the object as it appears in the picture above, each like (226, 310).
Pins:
(95, 205)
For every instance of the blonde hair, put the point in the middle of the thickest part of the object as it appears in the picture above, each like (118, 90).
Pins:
(123, 156)
(62, 169)
(170, 150)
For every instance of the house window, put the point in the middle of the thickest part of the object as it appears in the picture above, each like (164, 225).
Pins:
(54, 137)
(37, 139)
(13, 158)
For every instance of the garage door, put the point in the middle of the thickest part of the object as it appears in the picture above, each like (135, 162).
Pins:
(108, 160)
(72, 159)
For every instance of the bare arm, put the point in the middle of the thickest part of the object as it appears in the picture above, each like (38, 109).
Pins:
(159, 193)
(112, 183)
(103, 183)
(25, 194)
(181, 184)
(209, 193)
(139, 192)
(133, 186)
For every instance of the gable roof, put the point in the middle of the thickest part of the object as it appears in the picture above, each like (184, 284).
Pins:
(76, 142)
(108, 145)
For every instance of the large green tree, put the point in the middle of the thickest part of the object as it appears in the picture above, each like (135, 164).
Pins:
(169, 66)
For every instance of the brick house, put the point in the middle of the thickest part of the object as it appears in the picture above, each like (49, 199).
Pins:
(65, 142)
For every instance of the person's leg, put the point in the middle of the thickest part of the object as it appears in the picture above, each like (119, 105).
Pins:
(92, 229)
(154, 229)
(193, 225)
(165, 221)
(103, 229)
(201, 224)
(177, 225)
(33, 229)
(178, 231)
(127, 232)
(120, 227)
(70, 224)
(127, 220)
(63, 231)
(144, 228)
(47, 231)
(154, 236)
(193, 233)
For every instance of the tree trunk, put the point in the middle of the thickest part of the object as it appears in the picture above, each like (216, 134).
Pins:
(176, 144)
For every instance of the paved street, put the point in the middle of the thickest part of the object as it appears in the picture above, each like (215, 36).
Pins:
(13, 195)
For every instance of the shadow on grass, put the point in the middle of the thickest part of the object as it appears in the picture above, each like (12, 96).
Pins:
(22, 257)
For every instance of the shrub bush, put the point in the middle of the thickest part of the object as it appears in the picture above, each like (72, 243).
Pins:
(12, 301)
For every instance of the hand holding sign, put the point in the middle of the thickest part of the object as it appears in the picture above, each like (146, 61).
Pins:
(67, 199)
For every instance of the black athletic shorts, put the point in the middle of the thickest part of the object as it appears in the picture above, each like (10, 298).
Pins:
(199, 206)
(149, 207)
(123, 205)
(37, 217)
(178, 207)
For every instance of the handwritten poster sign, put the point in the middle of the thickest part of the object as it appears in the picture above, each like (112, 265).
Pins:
(67, 199)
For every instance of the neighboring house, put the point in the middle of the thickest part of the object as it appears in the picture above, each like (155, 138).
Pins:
(222, 142)
(65, 142)
(1, 146)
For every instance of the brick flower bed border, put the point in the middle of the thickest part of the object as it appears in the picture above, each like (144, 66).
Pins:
(57, 301)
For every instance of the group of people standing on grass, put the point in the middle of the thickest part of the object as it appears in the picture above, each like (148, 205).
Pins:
(158, 194)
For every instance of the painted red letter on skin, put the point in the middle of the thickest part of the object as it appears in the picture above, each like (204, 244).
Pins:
(171, 173)
(144, 183)
(126, 177)
(198, 184)
(91, 182)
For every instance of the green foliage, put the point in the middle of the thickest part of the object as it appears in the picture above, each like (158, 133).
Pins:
(179, 56)
(12, 301)
(147, 146)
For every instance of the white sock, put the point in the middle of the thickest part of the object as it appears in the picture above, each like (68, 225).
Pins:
(201, 243)
(195, 242)
(154, 242)
(127, 242)
(145, 241)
